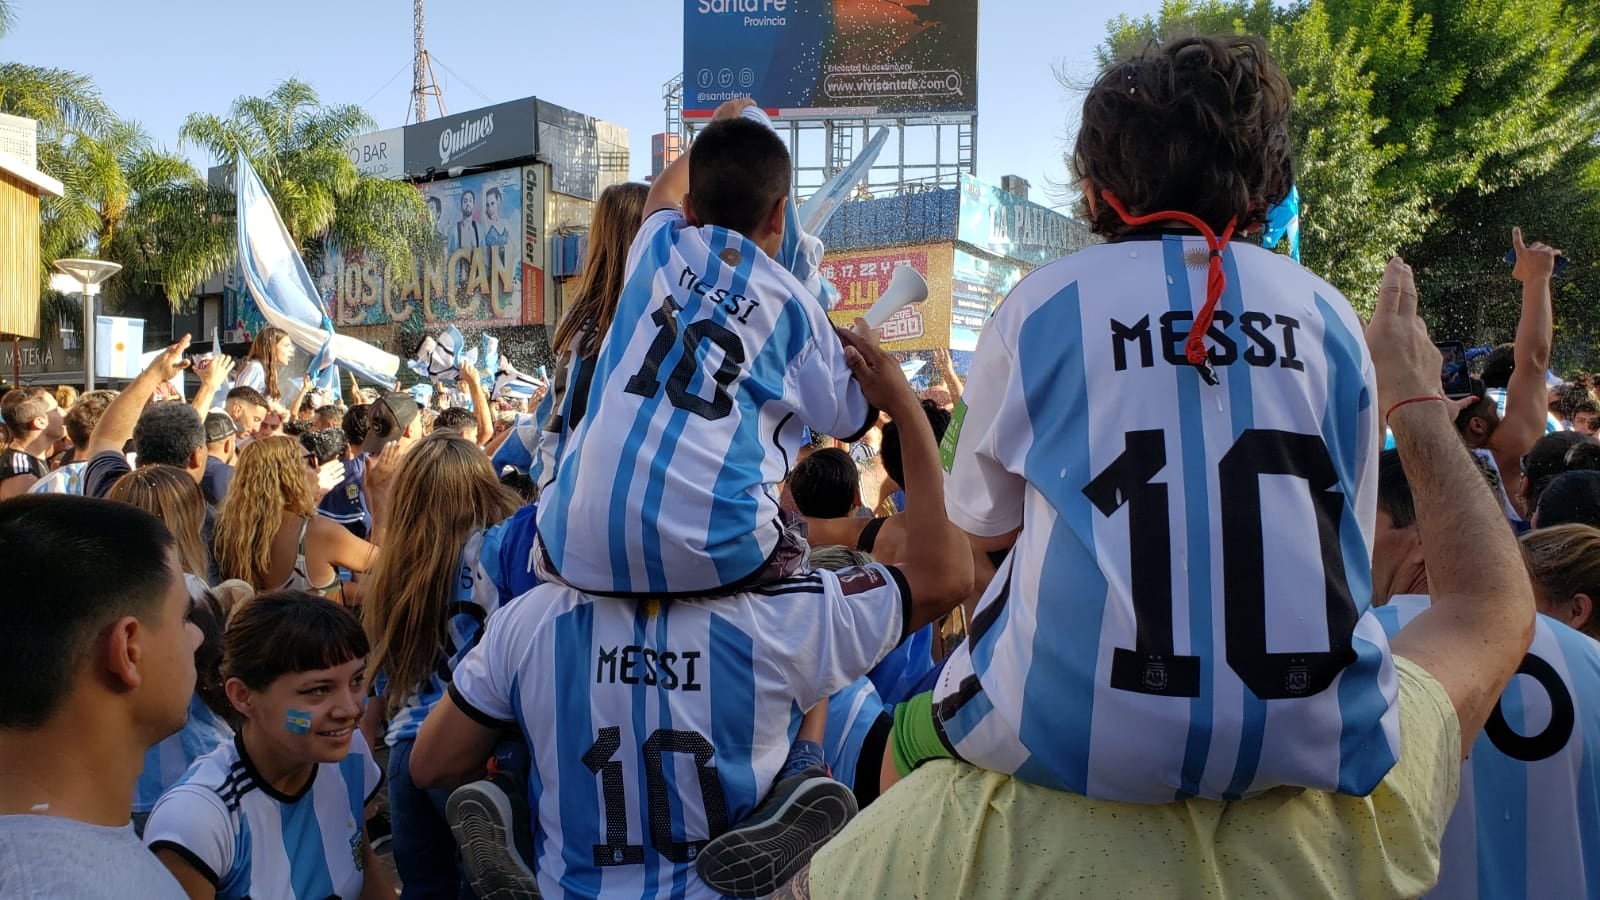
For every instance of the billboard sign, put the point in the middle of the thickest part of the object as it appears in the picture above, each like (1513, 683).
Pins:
(535, 243)
(480, 137)
(831, 57)
(862, 277)
(976, 288)
(473, 274)
(999, 222)
(380, 153)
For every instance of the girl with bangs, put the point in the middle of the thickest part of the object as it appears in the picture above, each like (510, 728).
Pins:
(278, 810)
(268, 532)
(426, 603)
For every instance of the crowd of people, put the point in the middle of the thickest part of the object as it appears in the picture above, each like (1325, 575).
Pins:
(1195, 584)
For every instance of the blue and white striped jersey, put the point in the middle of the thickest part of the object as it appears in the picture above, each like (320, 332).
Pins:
(538, 438)
(476, 598)
(66, 480)
(716, 361)
(252, 841)
(1186, 609)
(167, 761)
(653, 726)
(1527, 822)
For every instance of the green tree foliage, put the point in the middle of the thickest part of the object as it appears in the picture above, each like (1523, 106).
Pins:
(297, 145)
(1428, 126)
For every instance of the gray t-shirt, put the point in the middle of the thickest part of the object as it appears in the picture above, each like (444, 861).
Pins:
(51, 858)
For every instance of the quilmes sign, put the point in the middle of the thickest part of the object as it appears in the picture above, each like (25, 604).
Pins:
(480, 137)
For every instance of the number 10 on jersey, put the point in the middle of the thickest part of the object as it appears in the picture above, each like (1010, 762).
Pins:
(1153, 666)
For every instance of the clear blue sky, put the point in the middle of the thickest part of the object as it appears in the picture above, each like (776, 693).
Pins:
(158, 61)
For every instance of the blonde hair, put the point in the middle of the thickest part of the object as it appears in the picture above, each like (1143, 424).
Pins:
(170, 494)
(269, 481)
(617, 217)
(1565, 561)
(444, 490)
(264, 350)
(66, 396)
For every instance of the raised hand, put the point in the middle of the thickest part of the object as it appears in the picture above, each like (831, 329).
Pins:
(1535, 261)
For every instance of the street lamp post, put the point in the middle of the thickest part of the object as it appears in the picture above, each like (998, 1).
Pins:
(89, 272)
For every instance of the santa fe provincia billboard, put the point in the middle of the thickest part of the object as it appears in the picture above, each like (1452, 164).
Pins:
(831, 57)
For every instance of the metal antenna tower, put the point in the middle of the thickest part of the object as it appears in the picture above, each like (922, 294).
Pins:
(423, 84)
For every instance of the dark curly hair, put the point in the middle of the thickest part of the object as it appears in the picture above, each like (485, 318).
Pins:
(1199, 125)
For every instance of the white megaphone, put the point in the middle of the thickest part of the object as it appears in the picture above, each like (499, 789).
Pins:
(905, 286)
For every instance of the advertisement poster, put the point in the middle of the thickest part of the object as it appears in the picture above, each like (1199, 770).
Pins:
(478, 137)
(976, 288)
(820, 57)
(535, 244)
(1004, 224)
(473, 274)
(862, 277)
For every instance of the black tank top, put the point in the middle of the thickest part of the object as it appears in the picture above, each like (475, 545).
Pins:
(869, 534)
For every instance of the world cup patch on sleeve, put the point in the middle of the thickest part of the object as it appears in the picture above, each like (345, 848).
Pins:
(860, 580)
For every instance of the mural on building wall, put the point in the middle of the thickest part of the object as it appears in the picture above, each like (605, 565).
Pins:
(473, 274)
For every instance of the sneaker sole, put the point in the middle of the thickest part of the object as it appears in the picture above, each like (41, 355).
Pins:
(756, 860)
(481, 823)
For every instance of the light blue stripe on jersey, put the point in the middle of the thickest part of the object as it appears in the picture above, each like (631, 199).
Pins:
(669, 770)
(1050, 359)
(1363, 759)
(734, 717)
(535, 782)
(1503, 850)
(580, 829)
(733, 509)
(1582, 666)
(851, 714)
(1241, 402)
(631, 306)
(302, 843)
(166, 762)
(1197, 525)
(658, 255)
(741, 519)
(243, 858)
(641, 732)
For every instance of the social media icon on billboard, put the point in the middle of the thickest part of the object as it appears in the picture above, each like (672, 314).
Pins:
(725, 78)
(706, 78)
(747, 77)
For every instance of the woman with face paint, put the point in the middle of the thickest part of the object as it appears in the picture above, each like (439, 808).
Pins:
(279, 810)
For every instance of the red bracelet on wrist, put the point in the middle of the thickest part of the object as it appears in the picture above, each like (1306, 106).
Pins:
(1407, 402)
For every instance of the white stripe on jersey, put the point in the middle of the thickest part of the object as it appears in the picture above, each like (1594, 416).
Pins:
(654, 726)
(1148, 497)
(258, 843)
(1527, 823)
(716, 361)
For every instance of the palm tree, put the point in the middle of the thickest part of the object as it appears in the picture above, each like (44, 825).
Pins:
(297, 145)
(6, 17)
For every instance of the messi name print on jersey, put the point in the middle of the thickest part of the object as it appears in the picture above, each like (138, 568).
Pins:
(715, 363)
(653, 727)
(1527, 821)
(1185, 612)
